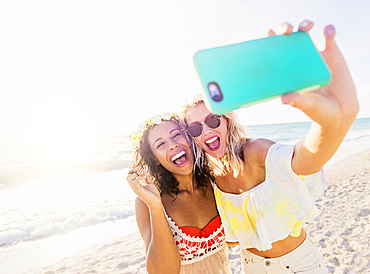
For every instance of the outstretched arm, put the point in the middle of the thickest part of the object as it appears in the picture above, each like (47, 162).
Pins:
(162, 255)
(332, 108)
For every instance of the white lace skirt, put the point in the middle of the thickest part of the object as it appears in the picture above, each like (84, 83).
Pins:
(216, 263)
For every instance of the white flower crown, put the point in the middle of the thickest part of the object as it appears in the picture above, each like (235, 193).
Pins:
(135, 137)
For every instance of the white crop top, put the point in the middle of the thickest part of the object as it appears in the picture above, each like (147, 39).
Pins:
(274, 209)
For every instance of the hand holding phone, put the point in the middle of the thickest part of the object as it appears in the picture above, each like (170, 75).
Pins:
(242, 74)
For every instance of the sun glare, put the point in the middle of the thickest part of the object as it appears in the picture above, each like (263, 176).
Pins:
(64, 147)
(63, 137)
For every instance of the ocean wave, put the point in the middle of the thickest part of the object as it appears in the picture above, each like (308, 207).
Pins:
(62, 203)
(37, 227)
(357, 136)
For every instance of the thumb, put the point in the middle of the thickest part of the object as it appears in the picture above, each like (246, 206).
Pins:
(307, 102)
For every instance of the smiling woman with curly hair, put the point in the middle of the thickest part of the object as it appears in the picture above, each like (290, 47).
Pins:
(175, 209)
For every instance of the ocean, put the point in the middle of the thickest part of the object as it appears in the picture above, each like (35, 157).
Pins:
(57, 203)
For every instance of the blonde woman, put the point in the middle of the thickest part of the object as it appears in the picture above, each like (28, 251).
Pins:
(266, 191)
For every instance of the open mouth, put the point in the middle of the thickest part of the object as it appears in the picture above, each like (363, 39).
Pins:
(180, 158)
(213, 143)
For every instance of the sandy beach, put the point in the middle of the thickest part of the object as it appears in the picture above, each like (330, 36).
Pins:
(341, 230)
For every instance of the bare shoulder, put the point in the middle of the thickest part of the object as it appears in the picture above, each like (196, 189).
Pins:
(256, 150)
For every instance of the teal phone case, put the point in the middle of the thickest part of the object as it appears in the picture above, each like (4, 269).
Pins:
(257, 70)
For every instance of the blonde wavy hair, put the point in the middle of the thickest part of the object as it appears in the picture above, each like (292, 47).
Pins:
(235, 142)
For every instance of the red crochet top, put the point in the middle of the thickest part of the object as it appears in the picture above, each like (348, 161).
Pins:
(195, 244)
(205, 231)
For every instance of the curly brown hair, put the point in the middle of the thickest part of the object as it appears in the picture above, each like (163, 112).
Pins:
(163, 179)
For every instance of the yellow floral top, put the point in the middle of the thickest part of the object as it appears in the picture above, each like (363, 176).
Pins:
(272, 210)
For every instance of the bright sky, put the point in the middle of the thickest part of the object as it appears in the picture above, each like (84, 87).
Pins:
(87, 68)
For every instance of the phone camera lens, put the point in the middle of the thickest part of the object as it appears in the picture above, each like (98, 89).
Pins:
(215, 92)
(212, 87)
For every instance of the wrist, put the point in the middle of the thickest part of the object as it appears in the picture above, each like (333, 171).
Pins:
(156, 207)
(336, 125)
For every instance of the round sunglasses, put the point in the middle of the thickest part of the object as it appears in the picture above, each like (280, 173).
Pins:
(212, 121)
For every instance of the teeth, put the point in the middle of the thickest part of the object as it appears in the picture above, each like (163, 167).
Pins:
(178, 155)
(211, 140)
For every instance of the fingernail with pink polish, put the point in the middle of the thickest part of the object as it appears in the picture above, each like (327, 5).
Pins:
(329, 31)
(305, 23)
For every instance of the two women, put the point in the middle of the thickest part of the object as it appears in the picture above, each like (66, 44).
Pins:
(175, 209)
(266, 191)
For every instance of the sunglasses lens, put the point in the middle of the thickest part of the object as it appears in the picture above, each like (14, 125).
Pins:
(195, 130)
(213, 121)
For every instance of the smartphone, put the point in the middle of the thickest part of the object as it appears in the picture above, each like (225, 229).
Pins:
(246, 73)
